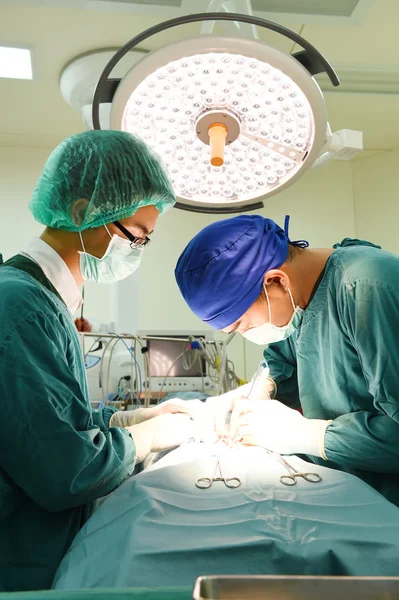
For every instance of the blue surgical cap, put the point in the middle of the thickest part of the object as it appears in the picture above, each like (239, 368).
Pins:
(220, 273)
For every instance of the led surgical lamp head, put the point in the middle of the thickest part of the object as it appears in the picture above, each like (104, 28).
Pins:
(233, 119)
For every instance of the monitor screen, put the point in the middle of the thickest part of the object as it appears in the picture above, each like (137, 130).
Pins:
(166, 359)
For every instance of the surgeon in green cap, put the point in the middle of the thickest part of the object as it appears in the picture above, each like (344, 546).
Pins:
(99, 197)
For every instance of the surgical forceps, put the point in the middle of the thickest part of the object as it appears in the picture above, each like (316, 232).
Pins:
(291, 479)
(203, 483)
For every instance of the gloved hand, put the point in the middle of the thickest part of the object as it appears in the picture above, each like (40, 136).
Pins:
(160, 433)
(129, 418)
(213, 413)
(274, 426)
(209, 417)
(264, 388)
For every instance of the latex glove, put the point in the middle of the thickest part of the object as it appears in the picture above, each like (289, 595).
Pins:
(274, 426)
(209, 417)
(160, 433)
(129, 418)
(264, 388)
(218, 407)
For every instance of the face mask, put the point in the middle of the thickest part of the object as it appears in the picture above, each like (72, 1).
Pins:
(119, 261)
(270, 334)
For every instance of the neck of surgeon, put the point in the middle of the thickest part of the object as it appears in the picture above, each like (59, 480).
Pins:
(303, 268)
(67, 245)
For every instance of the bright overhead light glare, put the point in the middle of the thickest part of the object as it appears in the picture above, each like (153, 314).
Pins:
(272, 110)
(15, 63)
(234, 120)
(164, 108)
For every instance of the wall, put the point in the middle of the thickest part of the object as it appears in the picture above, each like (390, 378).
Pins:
(376, 189)
(320, 205)
(19, 170)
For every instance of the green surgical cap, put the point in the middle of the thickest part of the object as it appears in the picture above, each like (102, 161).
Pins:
(111, 173)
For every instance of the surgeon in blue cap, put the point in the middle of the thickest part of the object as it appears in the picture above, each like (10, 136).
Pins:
(328, 320)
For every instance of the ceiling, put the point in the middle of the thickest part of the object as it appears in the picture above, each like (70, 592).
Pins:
(34, 114)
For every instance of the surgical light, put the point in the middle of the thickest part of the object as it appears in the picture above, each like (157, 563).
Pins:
(228, 126)
(234, 119)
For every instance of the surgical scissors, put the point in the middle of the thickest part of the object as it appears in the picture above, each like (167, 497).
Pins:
(291, 479)
(203, 483)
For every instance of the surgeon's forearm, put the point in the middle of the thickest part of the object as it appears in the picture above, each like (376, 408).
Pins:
(281, 359)
(364, 441)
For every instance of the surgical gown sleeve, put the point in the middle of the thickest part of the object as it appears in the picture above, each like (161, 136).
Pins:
(369, 313)
(281, 359)
(49, 444)
(102, 417)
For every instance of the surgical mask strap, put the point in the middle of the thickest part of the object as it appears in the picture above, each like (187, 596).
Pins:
(292, 299)
(81, 238)
(108, 231)
(81, 241)
(268, 304)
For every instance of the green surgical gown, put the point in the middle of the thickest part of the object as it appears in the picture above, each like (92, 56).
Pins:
(343, 363)
(57, 456)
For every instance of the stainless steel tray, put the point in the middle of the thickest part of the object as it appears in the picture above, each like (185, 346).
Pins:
(277, 587)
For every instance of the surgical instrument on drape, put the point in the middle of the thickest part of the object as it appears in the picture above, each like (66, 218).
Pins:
(203, 483)
(293, 474)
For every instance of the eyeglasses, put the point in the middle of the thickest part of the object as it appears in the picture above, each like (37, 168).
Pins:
(135, 242)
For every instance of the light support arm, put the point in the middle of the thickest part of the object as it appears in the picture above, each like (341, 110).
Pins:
(344, 144)
(231, 6)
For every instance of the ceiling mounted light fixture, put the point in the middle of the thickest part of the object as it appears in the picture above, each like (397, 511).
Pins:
(15, 63)
(234, 119)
